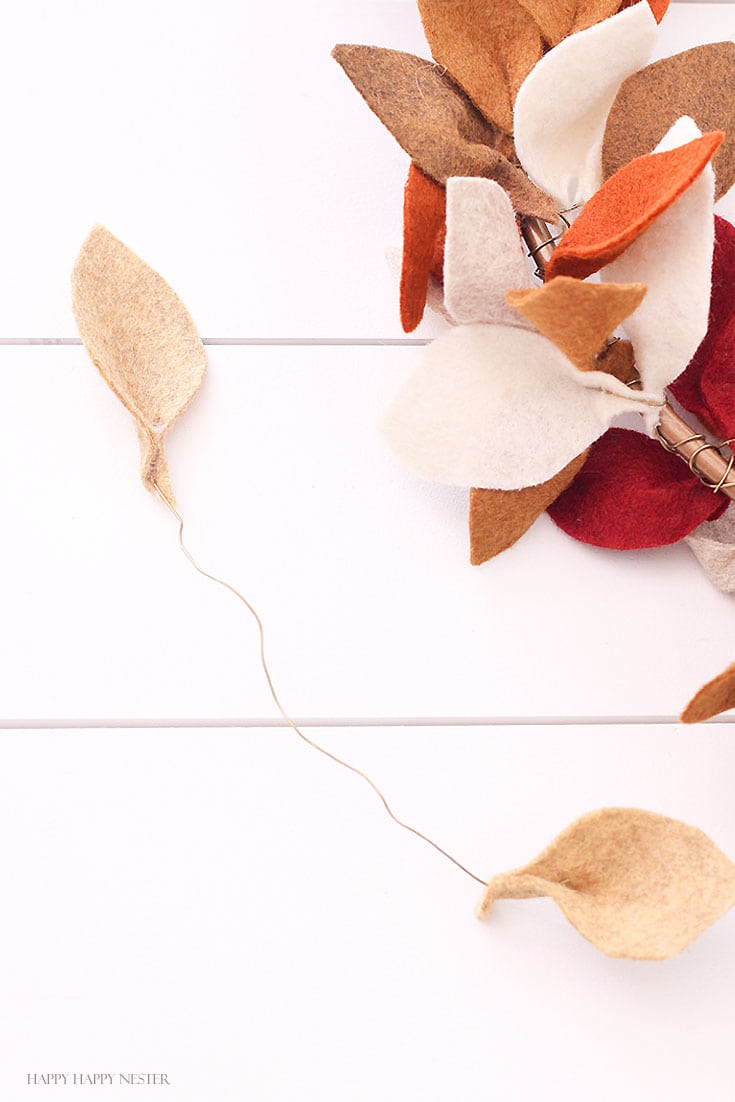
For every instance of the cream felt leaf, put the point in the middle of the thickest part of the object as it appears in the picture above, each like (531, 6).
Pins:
(713, 544)
(633, 883)
(483, 255)
(142, 340)
(436, 124)
(487, 46)
(578, 317)
(558, 18)
(563, 103)
(495, 407)
(673, 257)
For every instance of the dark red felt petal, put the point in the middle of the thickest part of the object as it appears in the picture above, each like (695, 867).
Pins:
(707, 387)
(632, 494)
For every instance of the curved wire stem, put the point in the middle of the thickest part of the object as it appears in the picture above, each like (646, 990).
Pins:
(276, 699)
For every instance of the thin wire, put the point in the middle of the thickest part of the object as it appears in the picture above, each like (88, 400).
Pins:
(276, 700)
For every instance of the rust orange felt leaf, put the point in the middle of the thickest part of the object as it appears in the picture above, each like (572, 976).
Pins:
(558, 18)
(424, 222)
(633, 883)
(713, 698)
(627, 204)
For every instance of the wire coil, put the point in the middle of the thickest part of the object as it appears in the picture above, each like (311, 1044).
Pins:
(705, 445)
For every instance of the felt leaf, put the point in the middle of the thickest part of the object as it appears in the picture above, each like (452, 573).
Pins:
(142, 340)
(632, 494)
(717, 696)
(699, 83)
(674, 259)
(484, 255)
(618, 359)
(487, 46)
(563, 103)
(435, 123)
(501, 408)
(556, 19)
(713, 544)
(658, 7)
(707, 387)
(424, 213)
(578, 317)
(627, 204)
(633, 883)
(498, 518)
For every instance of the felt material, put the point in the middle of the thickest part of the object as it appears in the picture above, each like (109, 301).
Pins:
(633, 883)
(142, 340)
(558, 18)
(699, 83)
(484, 255)
(632, 494)
(674, 258)
(618, 359)
(435, 123)
(424, 213)
(501, 408)
(658, 7)
(578, 317)
(627, 204)
(715, 697)
(498, 518)
(563, 103)
(707, 386)
(487, 46)
(713, 543)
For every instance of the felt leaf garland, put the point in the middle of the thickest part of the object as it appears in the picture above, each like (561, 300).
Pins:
(141, 339)
(627, 204)
(632, 494)
(717, 696)
(633, 883)
(563, 103)
(578, 317)
(435, 123)
(487, 46)
(558, 18)
(674, 258)
(495, 407)
(483, 254)
(699, 83)
(424, 215)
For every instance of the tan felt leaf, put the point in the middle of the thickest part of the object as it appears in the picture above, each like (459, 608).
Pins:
(699, 83)
(618, 359)
(498, 518)
(435, 123)
(578, 317)
(558, 18)
(488, 46)
(715, 697)
(141, 339)
(633, 883)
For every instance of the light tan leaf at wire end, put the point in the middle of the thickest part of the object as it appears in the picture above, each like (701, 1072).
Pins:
(633, 883)
(142, 340)
(717, 696)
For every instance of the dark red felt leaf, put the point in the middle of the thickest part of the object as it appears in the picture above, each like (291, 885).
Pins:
(707, 387)
(632, 494)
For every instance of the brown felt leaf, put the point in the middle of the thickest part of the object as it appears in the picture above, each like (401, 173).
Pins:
(618, 359)
(715, 697)
(498, 518)
(141, 339)
(699, 83)
(488, 46)
(434, 122)
(558, 18)
(633, 883)
(578, 317)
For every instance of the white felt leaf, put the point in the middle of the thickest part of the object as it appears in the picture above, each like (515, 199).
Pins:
(501, 408)
(563, 103)
(673, 257)
(483, 256)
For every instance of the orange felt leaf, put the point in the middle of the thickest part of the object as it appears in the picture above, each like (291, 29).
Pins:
(424, 224)
(717, 696)
(627, 204)
(558, 18)
(487, 46)
(578, 317)
(658, 7)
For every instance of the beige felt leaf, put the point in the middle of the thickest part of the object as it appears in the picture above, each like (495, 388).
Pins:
(558, 18)
(142, 340)
(717, 696)
(487, 46)
(633, 883)
(434, 122)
